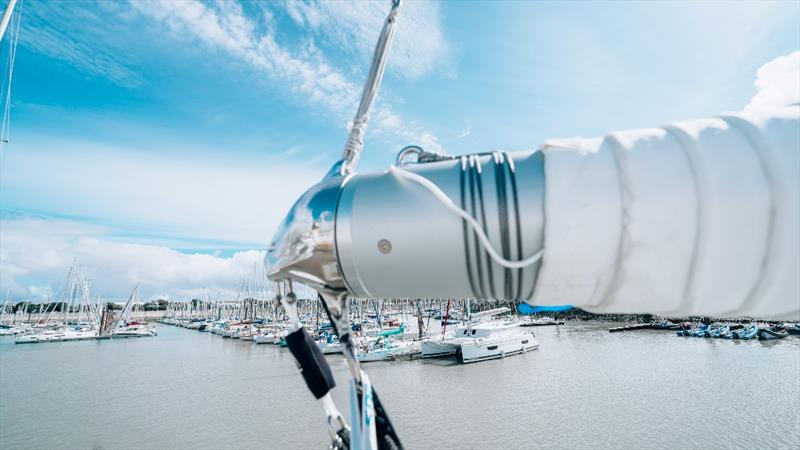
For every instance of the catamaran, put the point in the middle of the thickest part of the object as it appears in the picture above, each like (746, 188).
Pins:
(482, 338)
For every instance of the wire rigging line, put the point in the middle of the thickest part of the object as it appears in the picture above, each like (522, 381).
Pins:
(449, 204)
(7, 79)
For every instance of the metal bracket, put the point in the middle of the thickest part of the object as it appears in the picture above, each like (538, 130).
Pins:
(338, 309)
(422, 155)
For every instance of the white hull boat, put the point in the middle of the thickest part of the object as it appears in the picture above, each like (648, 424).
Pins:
(267, 338)
(332, 348)
(36, 338)
(134, 331)
(482, 341)
(56, 336)
(384, 349)
(435, 348)
(9, 331)
(497, 343)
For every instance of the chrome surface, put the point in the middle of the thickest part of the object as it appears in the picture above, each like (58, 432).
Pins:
(339, 314)
(422, 155)
(304, 248)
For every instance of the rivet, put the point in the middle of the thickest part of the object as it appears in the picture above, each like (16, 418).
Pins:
(384, 246)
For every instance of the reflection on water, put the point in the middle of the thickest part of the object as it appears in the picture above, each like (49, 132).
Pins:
(583, 388)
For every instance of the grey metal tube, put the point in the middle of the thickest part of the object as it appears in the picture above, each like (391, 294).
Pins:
(393, 236)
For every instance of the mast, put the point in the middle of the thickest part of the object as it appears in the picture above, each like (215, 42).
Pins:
(469, 316)
(420, 323)
(7, 18)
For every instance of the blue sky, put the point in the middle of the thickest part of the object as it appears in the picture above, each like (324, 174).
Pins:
(162, 142)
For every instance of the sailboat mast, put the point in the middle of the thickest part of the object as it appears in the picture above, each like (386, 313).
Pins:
(7, 18)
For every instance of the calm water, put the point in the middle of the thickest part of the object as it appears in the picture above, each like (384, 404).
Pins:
(584, 388)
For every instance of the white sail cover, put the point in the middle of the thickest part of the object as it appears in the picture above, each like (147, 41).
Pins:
(699, 217)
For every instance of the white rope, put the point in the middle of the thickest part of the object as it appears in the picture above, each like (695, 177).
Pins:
(449, 204)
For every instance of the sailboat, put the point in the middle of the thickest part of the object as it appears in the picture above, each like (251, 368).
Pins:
(73, 318)
(384, 347)
(124, 328)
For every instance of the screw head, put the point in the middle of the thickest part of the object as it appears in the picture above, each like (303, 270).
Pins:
(384, 246)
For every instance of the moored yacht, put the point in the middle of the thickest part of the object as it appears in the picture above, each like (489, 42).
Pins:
(384, 348)
(483, 340)
(134, 329)
(495, 339)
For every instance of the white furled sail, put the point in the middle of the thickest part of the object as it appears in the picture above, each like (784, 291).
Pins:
(699, 217)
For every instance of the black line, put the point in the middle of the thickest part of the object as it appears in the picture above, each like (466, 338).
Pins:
(467, 259)
(478, 265)
(512, 176)
(489, 267)
(502, 217)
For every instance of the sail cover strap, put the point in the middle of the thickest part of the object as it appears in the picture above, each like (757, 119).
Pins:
(313, 366)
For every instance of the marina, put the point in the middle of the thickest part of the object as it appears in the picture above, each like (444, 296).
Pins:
(395, 330)
(78, 315)
(188, 389)
(507, 251)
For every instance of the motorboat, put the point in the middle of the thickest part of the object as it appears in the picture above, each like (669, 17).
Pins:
(750, 332)
(768, 334)
(722, 331)
(702, 330)
(791, 328)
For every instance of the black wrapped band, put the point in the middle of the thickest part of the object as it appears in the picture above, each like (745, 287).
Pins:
(313, 366)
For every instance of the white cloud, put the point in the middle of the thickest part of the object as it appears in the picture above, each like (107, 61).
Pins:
(233, 197)
(419, 47)
(429, 142)
(44, 31)
(466, 131)
(226, 27)
(306, 71)
(36, 253)
(777, 83)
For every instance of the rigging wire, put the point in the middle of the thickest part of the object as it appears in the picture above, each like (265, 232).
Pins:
(7, 81)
